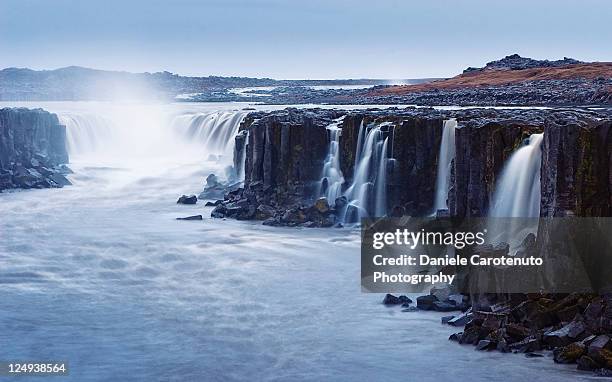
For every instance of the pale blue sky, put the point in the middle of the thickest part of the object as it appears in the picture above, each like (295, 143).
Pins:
(299, 39)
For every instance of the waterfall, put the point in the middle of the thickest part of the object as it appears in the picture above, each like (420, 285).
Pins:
(380, 207)
(86, 133)
(332, 178)
(368, 192)
(214, 130)
(517, 193)
(445, 158)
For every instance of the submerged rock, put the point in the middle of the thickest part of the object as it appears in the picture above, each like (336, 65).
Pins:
(193, 217)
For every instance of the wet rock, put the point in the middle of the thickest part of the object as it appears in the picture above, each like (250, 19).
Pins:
(441, 306)
(340, 202)
(193, 217)
(187, 199)
(602, 357)
(568, 354)
(321, 205)
(213, 204)
(32, 149)
(486, 345)
(456, 336)
(426, 302)
(264, 212)
(446, 319)
(214, 188)
(272, 222)
(410, 309)
(566, 334)
(587, 363)
(393, 300)
(471, 336)
(529, 344)
(461, 319)
(220, 211)
(294, 215)
(59, 179)
(534, 355)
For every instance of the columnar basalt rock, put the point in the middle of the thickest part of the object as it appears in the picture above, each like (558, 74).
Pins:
(32, 146)
(576, 162)
(285, 151)
(482, 148)
(284, 156)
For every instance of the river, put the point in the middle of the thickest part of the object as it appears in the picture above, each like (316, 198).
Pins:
(100, 274)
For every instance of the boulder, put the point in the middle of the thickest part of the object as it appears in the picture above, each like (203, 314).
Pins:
(569, 353)
(486, 345)
(567, 334)
(426, 302)
(393, 300)
(587, 363)
(187, 199)
(321, 205)
(461, 319)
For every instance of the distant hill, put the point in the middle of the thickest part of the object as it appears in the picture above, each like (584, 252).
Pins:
(78, 83)
(514, 80)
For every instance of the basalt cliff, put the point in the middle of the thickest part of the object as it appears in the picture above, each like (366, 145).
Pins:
(286, 152)
(32, 149)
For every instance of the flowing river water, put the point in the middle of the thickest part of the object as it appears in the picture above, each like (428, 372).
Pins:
(100, 274)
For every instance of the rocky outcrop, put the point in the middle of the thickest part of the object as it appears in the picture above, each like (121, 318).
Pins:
(32, 149)
(284, 156)
(516, 62)
(576, 161)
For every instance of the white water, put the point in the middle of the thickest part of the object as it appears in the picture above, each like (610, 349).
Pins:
(332, 174)
(102, 275)
(517, 193)
(445, 158)
(367, 194)
(214, 129)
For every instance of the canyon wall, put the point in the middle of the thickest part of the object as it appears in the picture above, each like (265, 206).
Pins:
(32, 146)
(285, 152)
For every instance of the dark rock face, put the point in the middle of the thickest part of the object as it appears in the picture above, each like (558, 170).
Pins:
(285, 151)
(576, 177)
(187, 199)
(32, 149)
(284, 157)
(482, 147)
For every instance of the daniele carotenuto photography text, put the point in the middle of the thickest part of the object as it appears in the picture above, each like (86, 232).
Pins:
(275, 190)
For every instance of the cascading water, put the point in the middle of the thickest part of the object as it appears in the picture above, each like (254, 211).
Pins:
(447, 154)
(215, 130)
(517, 194)
(368, 193)
(332, 178)
(86, 133)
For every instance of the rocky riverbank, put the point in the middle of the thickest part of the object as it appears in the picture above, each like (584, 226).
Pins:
(576, 328)
(32, 149)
